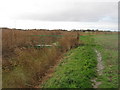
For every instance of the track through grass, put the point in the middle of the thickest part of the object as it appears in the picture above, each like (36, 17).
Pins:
(108, 47)
(77, 70)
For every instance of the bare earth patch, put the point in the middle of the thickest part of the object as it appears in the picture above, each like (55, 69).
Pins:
(100, 68)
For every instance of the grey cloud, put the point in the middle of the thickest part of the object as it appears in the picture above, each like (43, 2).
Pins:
(78, 12)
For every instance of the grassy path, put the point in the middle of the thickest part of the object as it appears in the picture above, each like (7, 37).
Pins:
(81, 66)
(107, 45)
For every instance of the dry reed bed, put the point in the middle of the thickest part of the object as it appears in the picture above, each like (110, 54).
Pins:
(24, 67)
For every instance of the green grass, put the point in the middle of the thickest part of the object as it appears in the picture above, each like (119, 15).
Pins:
(76, 70)
(107, 41)
(108, 46)
(79, 67)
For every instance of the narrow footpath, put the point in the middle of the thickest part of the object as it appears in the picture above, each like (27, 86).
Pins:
(100, 68)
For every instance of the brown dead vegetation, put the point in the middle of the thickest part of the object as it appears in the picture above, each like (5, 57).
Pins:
(24, 66)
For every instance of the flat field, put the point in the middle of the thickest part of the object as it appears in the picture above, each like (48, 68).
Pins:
(59, 59)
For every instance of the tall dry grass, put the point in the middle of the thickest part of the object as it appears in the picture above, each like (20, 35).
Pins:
(24, 67)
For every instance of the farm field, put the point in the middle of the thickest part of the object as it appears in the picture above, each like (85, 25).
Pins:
(72, 56)
(59, 44)
(79, 67)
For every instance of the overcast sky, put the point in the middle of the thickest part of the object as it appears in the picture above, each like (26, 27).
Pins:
(59, 14)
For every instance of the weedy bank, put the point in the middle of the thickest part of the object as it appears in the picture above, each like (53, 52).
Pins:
(77, 68)
(23, 64)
